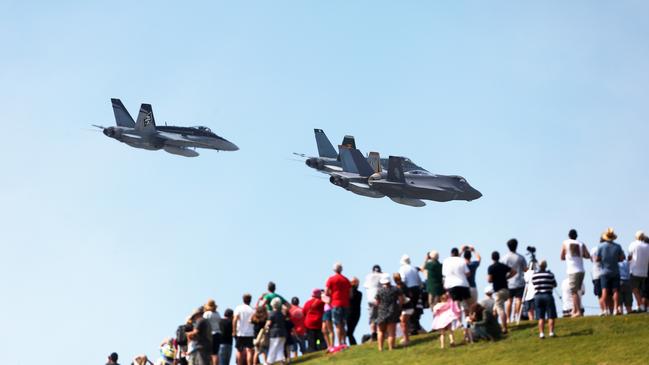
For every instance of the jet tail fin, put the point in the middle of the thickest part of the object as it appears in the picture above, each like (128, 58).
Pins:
(374, 159)
(145, 120)
(395, 169)
(353, 161)
(122, 116)
(325, 148)
(349, 142)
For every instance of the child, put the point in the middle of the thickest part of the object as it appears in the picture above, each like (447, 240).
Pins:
(445, 313)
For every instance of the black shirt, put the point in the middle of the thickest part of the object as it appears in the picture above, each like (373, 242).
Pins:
(499, 272)
(355, 303)
(204, 336)
(277, 324)
(226, 331)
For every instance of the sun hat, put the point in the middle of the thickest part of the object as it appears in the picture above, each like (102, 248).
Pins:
(609, 235)
(385, 279)
(210, 306)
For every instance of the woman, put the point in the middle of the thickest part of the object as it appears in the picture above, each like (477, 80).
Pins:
(258, 321)
(313, 312)
(388, 300)
(327, 321)
(212, 315)
(276, 325)
(484, 325)
(407, 309)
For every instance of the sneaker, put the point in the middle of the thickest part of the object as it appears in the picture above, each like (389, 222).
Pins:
(552, 334)
(541, 335)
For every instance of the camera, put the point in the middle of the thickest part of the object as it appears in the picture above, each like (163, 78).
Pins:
(531, 249)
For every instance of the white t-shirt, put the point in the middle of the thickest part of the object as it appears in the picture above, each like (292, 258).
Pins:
(455, 271)
(639, 263)
(530, 286)
(244, 327)
(410, 276)
(574, 256)
(596, 269)
(372, 286)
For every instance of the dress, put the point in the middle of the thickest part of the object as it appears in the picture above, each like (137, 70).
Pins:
(445, 313)
(389, 309)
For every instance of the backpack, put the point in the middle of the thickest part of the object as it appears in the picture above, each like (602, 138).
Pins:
(181, 335)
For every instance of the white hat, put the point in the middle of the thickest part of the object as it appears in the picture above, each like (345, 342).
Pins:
(489, 289)
(385, 279)
(405, 260)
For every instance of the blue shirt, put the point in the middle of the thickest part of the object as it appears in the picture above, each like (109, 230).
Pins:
(609, 254)
(473, 267)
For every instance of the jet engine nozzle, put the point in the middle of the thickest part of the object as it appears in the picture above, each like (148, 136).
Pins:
(315, 163)
(109, 132)
(339, 181)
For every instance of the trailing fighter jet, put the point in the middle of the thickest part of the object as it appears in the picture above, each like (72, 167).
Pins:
(403, 187)
(144, 133)
(328, 159)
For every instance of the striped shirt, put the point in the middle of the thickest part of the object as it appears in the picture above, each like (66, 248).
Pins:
(543, 282)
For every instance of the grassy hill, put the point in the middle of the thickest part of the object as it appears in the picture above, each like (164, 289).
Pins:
(589, 340)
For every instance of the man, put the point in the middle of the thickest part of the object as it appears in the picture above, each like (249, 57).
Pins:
(268, 297)
(608, 255)
(296, 315)
(200, 348)
(455, 273)
(371, 286)
(516, 283)
(596, 273)
(410, 276)
(638, 265)
(467, 253)
(243, 331)
(354, 310)
(498, 274)
(434, 279)
(544, 282)
(339, 289)
(225, 349)
(112, 359)
(574, 252)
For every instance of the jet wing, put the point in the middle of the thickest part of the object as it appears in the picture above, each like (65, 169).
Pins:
(177, 140)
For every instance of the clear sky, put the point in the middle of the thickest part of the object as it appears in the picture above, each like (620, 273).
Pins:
(542, 107)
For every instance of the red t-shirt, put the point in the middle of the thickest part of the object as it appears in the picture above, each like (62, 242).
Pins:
(340, 290)
(297, 317)
(313, 311)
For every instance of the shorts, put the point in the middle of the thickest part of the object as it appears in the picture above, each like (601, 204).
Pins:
(597, 288)
(500, 297)
(626, 294)
(516, 292)
(217, 340)
(339, 315)
(459, 293)
(244, 342)
(610, 282)
(638, 282)
(544, 307)
(326, 316)
(575, 281)
(373, 311)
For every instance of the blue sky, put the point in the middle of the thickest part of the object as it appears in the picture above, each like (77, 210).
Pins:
(542, 107)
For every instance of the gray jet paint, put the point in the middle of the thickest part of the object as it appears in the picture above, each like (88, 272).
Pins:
(144, 133)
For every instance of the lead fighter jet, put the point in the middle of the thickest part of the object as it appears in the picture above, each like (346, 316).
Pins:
(144, 133)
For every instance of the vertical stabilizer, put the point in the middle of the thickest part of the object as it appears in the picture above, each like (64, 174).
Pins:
(353, 161)
(395, 169)
(374, 159)
(122, 116)
(349, 142)
(145, 120)
(325, 148)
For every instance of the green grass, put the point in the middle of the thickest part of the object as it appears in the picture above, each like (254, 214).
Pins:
(590, 340)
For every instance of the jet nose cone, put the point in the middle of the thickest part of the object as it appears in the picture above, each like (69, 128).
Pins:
(232, 147)
(226, 145)
(475, 195)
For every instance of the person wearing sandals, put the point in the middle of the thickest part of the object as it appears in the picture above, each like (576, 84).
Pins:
(389, 300)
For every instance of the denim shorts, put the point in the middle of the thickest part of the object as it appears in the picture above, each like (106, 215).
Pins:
(610, 282)
(544, 306)
(339, 315)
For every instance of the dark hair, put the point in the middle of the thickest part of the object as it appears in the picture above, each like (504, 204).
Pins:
(467, 254)
(113, 357)
(271, 287)
(512, 244)
(495, 256)
(572, 234)
(228, 313)
(455, 252)
(295, 301)
(247, 298)
(376, 268)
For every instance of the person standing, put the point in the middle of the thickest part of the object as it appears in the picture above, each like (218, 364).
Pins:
(434, 278)
(112, 359)
(574, 252)
(456, 272)
(516, 283)
(270, 295)
(467, 253)
(225, 350)
(544, 282)
(296, 314)
(212, 315)
(277, 332)
(243, 331)
(339, 289)
(313, 311)
(626, 294)
(638, 266)
(497, 275)
(412, 280)
(609, 254)
(597, 286)
(407, 308)
(389, 300)
(371, 286)
(354, 310)
(200, 338)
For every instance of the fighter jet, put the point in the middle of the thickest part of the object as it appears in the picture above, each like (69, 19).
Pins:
(403, 187)
(328, 159)
(144, 133)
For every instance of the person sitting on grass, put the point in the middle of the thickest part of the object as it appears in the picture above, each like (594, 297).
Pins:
(544, 282)
(484, 325)
(446, 312)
